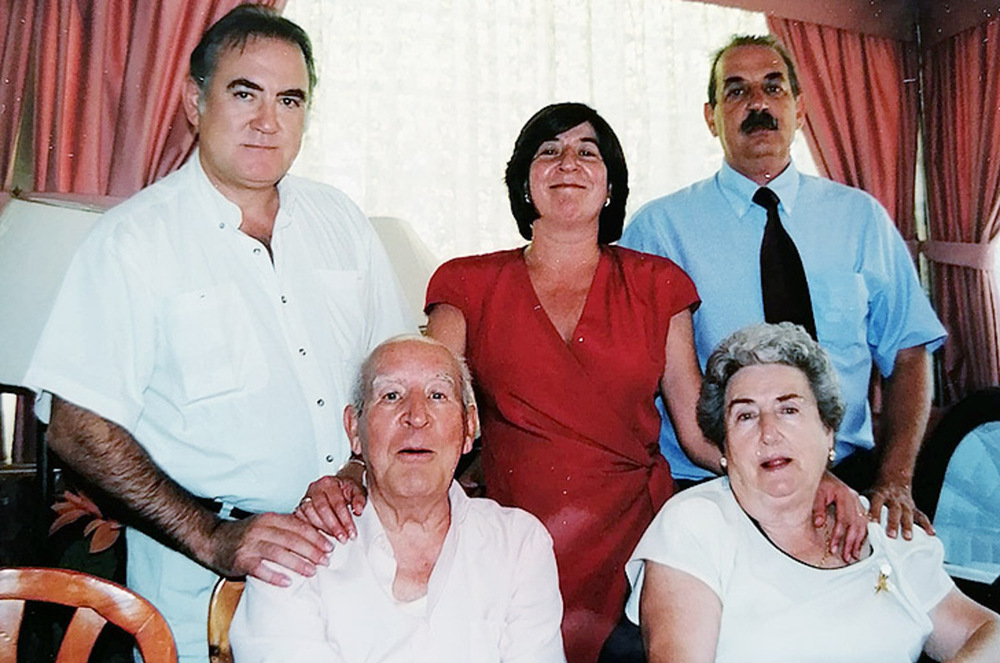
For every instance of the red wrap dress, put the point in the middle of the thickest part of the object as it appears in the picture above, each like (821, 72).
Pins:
(570, 430)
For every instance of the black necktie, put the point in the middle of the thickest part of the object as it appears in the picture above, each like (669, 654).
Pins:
(782, 278)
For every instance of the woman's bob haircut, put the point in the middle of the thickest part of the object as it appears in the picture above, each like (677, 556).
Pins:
(782, 343)
(545, 125)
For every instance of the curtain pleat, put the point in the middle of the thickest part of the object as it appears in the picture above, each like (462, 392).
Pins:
(17, 22)
(962, 120)
(109, 77)
(861, 101)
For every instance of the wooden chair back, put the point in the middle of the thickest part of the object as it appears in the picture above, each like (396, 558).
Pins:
(221, 608)
(97, 602)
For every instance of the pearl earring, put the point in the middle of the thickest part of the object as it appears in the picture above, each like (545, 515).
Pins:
(833, 454)
(723, 463)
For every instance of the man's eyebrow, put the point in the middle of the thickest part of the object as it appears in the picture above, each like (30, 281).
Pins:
(243, 82)
(788, 397)
(298, 93)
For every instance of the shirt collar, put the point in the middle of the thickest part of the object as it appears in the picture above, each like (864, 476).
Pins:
(221, 210)
(370, 528)
(226, 211)
(738, 189)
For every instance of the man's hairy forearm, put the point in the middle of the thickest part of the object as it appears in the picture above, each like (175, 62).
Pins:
(905, 412)
(107, 455)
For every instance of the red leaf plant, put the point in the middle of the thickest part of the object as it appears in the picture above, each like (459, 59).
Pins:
(74, 506)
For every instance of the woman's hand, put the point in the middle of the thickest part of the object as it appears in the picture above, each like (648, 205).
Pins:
(331, 502)
(851, 527)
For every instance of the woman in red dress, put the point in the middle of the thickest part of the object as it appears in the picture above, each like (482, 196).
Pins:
(569, 341)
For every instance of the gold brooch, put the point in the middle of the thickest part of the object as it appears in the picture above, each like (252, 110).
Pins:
(882, 584)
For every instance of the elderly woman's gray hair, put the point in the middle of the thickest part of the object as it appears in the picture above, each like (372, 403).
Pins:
(363, 383)
(783, 343)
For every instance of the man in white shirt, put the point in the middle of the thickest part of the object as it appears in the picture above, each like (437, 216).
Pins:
(432, 575)
(207, 332)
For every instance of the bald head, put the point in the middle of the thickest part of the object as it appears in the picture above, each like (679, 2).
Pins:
(361, 393)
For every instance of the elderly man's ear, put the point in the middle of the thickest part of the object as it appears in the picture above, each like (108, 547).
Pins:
(352, 424)
(471, 424)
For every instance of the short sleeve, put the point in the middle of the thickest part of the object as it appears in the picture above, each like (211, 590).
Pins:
(921, 567)
(676, 289)
(900, 315)
(688, 534)
(96, 350)
(450, 285)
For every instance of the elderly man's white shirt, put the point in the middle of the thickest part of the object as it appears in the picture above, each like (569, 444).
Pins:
(231, 371)
(493, 596)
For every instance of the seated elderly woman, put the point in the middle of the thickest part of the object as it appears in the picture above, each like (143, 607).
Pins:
(432, 575)
(734, 570)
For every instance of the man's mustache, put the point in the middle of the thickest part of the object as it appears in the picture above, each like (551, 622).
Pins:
(758, 119)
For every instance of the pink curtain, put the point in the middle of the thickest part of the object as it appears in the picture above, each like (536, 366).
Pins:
(861, 101)
(17, 20)
(109, 75)
(962, 120)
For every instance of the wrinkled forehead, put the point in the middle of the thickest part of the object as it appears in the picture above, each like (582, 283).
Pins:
(750, 63)
(414, 362)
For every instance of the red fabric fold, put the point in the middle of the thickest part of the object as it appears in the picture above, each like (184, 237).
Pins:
(861, 105)
(962, 124)
(109, 77)
(17, 23)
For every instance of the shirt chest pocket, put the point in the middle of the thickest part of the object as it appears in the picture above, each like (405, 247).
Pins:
(840, 305)
(212, 347)
(341, 294)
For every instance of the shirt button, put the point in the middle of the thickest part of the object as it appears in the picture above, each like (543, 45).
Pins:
(329, 458)
(580, 339)
(222, 225)
(284, 300)
(302, 351)
(256, 250)
(320, 402)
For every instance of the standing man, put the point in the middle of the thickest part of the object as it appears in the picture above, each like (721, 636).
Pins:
(207, 332)
(841, 269)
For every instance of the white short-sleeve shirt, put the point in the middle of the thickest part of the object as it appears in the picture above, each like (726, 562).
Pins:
(780, 610)
(230, 370)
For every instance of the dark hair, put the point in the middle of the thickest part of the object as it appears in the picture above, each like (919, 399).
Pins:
(782, 343)
(236, 28)
(545, 125)
(752, 40)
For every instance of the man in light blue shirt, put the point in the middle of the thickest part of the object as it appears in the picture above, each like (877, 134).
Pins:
(866, 300)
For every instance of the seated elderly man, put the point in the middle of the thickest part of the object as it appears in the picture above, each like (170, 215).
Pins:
(432, 575)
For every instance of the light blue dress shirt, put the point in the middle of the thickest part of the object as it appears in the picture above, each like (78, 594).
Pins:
(867, 300)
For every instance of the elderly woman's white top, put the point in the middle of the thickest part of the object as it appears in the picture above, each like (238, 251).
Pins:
(778, 609)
